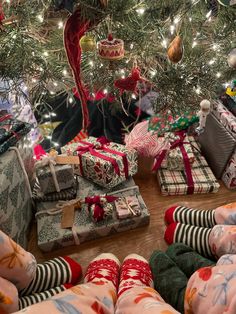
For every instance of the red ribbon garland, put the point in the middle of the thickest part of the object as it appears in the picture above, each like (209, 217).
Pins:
(99, 212)
(178, 143)
(93, 149)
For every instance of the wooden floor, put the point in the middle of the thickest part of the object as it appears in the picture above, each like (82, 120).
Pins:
(142, 240)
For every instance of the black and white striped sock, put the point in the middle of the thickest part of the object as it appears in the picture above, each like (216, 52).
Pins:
(52, 274)
(41, 296)
(190, 216)
(195, 237)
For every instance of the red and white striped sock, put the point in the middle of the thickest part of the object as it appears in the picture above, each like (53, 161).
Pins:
(135, 272)
(104, 268)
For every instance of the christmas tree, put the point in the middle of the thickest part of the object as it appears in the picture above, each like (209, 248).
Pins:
(118, 50)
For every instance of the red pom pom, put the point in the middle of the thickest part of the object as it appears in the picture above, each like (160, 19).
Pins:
(110, 37)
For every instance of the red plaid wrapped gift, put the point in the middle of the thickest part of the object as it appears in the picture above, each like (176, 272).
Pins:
(195, 179)
(229, 175)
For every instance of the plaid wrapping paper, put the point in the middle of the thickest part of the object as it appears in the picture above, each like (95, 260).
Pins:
(173, 182)
(52, 237)
(229, 175)
(64, 174)
(226, 118)
(101, 171)
(15, 201)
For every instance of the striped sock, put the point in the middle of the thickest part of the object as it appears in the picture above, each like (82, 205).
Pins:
(190, 216)
(52, 274)
(195, 237)
(41, 296)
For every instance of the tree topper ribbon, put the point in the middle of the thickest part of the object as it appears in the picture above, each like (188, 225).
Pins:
(102, 144)
(178, 143)
(99, 205)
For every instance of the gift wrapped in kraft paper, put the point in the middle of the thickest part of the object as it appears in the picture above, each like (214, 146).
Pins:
(105, 163)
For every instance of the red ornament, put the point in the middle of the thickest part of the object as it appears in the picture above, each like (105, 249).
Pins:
(2, 16)
(130, 83)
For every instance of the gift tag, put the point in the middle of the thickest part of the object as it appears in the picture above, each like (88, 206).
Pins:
(68, 215)
(64, 159)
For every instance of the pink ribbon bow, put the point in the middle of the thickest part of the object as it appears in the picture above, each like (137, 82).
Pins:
(102, 144)
(99, 202)
(178, 143)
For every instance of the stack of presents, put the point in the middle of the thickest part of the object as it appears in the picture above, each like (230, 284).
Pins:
(87, 191)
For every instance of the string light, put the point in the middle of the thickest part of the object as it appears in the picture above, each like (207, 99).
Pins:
(176, 20)
(105, 91)
(140, 11)
(34, 80)
(194, 44)
(91, 63)
(208, 14)
(60, 24)
(133, 96)
(46, 116)
(212, 61)
(64, 72)
(45, 54)
(198, 90)
(40, 18)
(49, 137)
(218, 74)
(52, 92)
(153, 73)
(131, 46)
(53, 114)
(164, 43)
(55, 84)
(70, 100)
(172, 29)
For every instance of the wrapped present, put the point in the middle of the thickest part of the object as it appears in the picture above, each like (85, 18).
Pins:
(100, 206)
(226, 118)
(11, 131)
(105, 163)
(229, 175)
(52, 236)
(53, 177)
(196, 180)
(217, 143)
(15, 193)
(177, 153)
(127, 207)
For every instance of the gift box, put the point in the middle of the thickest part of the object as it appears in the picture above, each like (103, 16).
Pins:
(218, 141)
(64, 177)
(15, 193)
(229, 175)
(105, 163)
(175, 182)
(51, 236)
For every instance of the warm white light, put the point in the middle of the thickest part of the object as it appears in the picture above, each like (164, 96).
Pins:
(198, 90)
(34, 80)
(40, 18)
(212, 61)
(176, 20)
(122, 71)
(91, 63)
(172, 29)
(55, 84)
(41, 69)
(46, 116)
(131, 46)
(52, 92)
(133, 96)
(53, 114)
(45, 53)
(122, 76)
(153, 73)
(64, 72)
(14, 36)
(190, 19)
(140, 11)
(56, 144)
(218, 74)
(208, 14)
(194, 44)
(60, 24)
(70, 100)
(105, 91)
(164, 43)
(49, 137)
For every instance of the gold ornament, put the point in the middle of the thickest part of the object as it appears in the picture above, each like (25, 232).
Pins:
(87, 43)
(175, 50)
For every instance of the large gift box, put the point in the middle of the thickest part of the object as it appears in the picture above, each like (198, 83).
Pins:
(64, 178)
(194, 179)
(218, 141)
(15, 195)
(105, 163)
(229, 175)
(51, 236)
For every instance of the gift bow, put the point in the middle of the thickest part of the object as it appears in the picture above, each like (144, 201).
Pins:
(102, 144)
(178, 143)
(49, 160)
(99, 203)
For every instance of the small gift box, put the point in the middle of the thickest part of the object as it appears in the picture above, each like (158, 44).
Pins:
(64, 195)
(229, 175)
(127, 207)
(55, 178)
(105, 163)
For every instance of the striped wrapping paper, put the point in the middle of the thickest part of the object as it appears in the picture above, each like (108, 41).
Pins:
(173, 182)
(226, 118)
(229, 175)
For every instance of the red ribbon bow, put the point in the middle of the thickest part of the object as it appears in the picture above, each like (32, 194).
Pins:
(102, 144)
(98, 212)
(178, 143)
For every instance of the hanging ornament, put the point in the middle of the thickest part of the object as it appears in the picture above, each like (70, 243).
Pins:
(2, 16)
(232, 58)
(103, 3)
(227, 2)
(111, 49)
(205, 107)
(175, 50)
(87, 43)
(130, 83)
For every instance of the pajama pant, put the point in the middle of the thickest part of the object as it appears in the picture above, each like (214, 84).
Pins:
(101, 298)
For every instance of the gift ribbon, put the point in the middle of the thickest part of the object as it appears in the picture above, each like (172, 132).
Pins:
(99, 211)
(51, 162)
(101, 144)
(178, 143)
